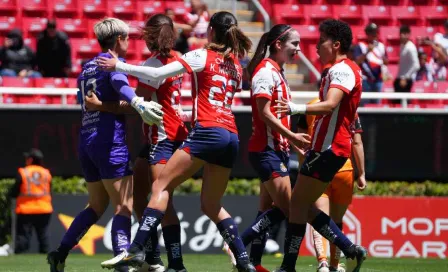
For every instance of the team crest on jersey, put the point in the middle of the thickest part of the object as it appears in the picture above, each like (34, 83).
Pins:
(283, 167)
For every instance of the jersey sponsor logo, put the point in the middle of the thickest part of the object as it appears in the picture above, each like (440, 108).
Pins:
(283, 167)
(341, 77)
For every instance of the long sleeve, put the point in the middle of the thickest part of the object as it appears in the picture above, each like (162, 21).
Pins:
(121, 84)
(415, 64)
(151, 73)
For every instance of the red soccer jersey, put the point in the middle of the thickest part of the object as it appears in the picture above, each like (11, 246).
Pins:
(334, 130)
(269, 82)
(215, 82)
(167, 93)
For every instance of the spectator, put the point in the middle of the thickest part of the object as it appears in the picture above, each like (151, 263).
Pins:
(426, 71)
(33, 204)
(183, 30)
(408, 64)
(439, 62)
(53, 52)
(371, 56)
(442, 39)
(16, 58)
(198, 19)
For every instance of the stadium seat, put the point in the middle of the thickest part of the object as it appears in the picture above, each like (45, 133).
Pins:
(93, 8)
(351, 14)
(7, 24)
(31, 43)
(406, 15)
(435, 15)
(35, 8)
(72, 83)
(133, 52)
(135, 27)
(49, 82)
(8, 7)
(393, 54)
(179, 8)
(421, 32)
(358, 33)
(288, 14)
(308, 32)
(65, 8)
(123, 9)
(317, 13)
(85, 48)
(380, 15)
(73, 27)
(148, 8)
(393, 70)
(18, 82)
(141, 46)
(390, 34)
(33, 26)
(9, 98)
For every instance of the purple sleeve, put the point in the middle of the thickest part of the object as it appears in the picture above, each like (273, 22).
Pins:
(120, 84)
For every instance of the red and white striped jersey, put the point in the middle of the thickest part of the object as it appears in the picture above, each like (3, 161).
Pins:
(334, 130)
(268, 81)
(215, 82)
(167, 93)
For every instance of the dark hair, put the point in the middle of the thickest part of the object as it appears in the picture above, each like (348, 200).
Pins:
(422, 53)
(228, 38)
(339, 31)
(404, 29)
(277, 33)
(159, 34)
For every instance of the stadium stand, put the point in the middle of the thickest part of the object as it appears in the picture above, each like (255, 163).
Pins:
(77, 17)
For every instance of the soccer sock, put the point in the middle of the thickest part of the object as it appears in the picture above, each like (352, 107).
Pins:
(328, 229)
(121, 233)
(335, 252)
(80, 225)
(150, 220)
(262, 224)
(229, 231)
(320, 246)
(293, 240)
(152, 249)
(171, 235)
(257, 246)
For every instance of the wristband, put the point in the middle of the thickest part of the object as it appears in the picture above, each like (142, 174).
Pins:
(296, 108)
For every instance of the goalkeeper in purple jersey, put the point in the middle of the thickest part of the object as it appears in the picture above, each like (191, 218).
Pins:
(103, 152)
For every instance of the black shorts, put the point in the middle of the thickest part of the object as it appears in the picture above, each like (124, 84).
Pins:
(322, 165)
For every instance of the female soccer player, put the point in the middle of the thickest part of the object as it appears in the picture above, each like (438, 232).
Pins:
(164, 138)
(213, 142)
(102, 147)
(340, 95)
(271, 133)
(338, 195)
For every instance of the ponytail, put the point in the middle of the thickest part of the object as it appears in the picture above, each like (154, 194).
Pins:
(166, 40)
(159, 34)
(260, 53)
(233, 41)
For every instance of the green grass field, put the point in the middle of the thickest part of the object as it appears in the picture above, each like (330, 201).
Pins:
(217, 263)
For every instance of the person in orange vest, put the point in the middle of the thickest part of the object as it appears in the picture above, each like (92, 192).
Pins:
(32, 191)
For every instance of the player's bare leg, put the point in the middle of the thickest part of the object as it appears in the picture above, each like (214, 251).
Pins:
(320, 244)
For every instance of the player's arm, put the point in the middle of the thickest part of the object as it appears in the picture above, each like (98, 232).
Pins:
(302, 127)
(92, 103)
(142, 72)
(358, 154)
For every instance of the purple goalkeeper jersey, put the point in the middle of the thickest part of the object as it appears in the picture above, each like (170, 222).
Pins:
(100, 127)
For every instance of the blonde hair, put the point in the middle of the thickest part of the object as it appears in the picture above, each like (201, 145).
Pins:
(108, 30)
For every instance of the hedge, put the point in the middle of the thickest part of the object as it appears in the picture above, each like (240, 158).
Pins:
(76, 185)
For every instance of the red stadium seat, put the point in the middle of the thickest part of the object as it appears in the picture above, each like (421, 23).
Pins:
(94, 9)
(8, 7)
(179, 8)
(358, 33)
(393, 70)
(9, 98)
(49, 82)
(133, 52)
(65, 8)
(72, 83)
(377, 14)
(406, 15)
(85, 48)
(73, 27)
(288, 14)
(317, 13)
(123, 9)
(435, 15)
(35, 8)
(420, 32)
(18, 82)
(351, 14)
(149, 8)
(308, 32)
(7, 24)
(141, 46)
(135, 28)
(33, 26)
(31, 43)
(393, 54)
(390, 34)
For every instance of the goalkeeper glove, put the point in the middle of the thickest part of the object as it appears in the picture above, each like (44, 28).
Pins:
(151, 112)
